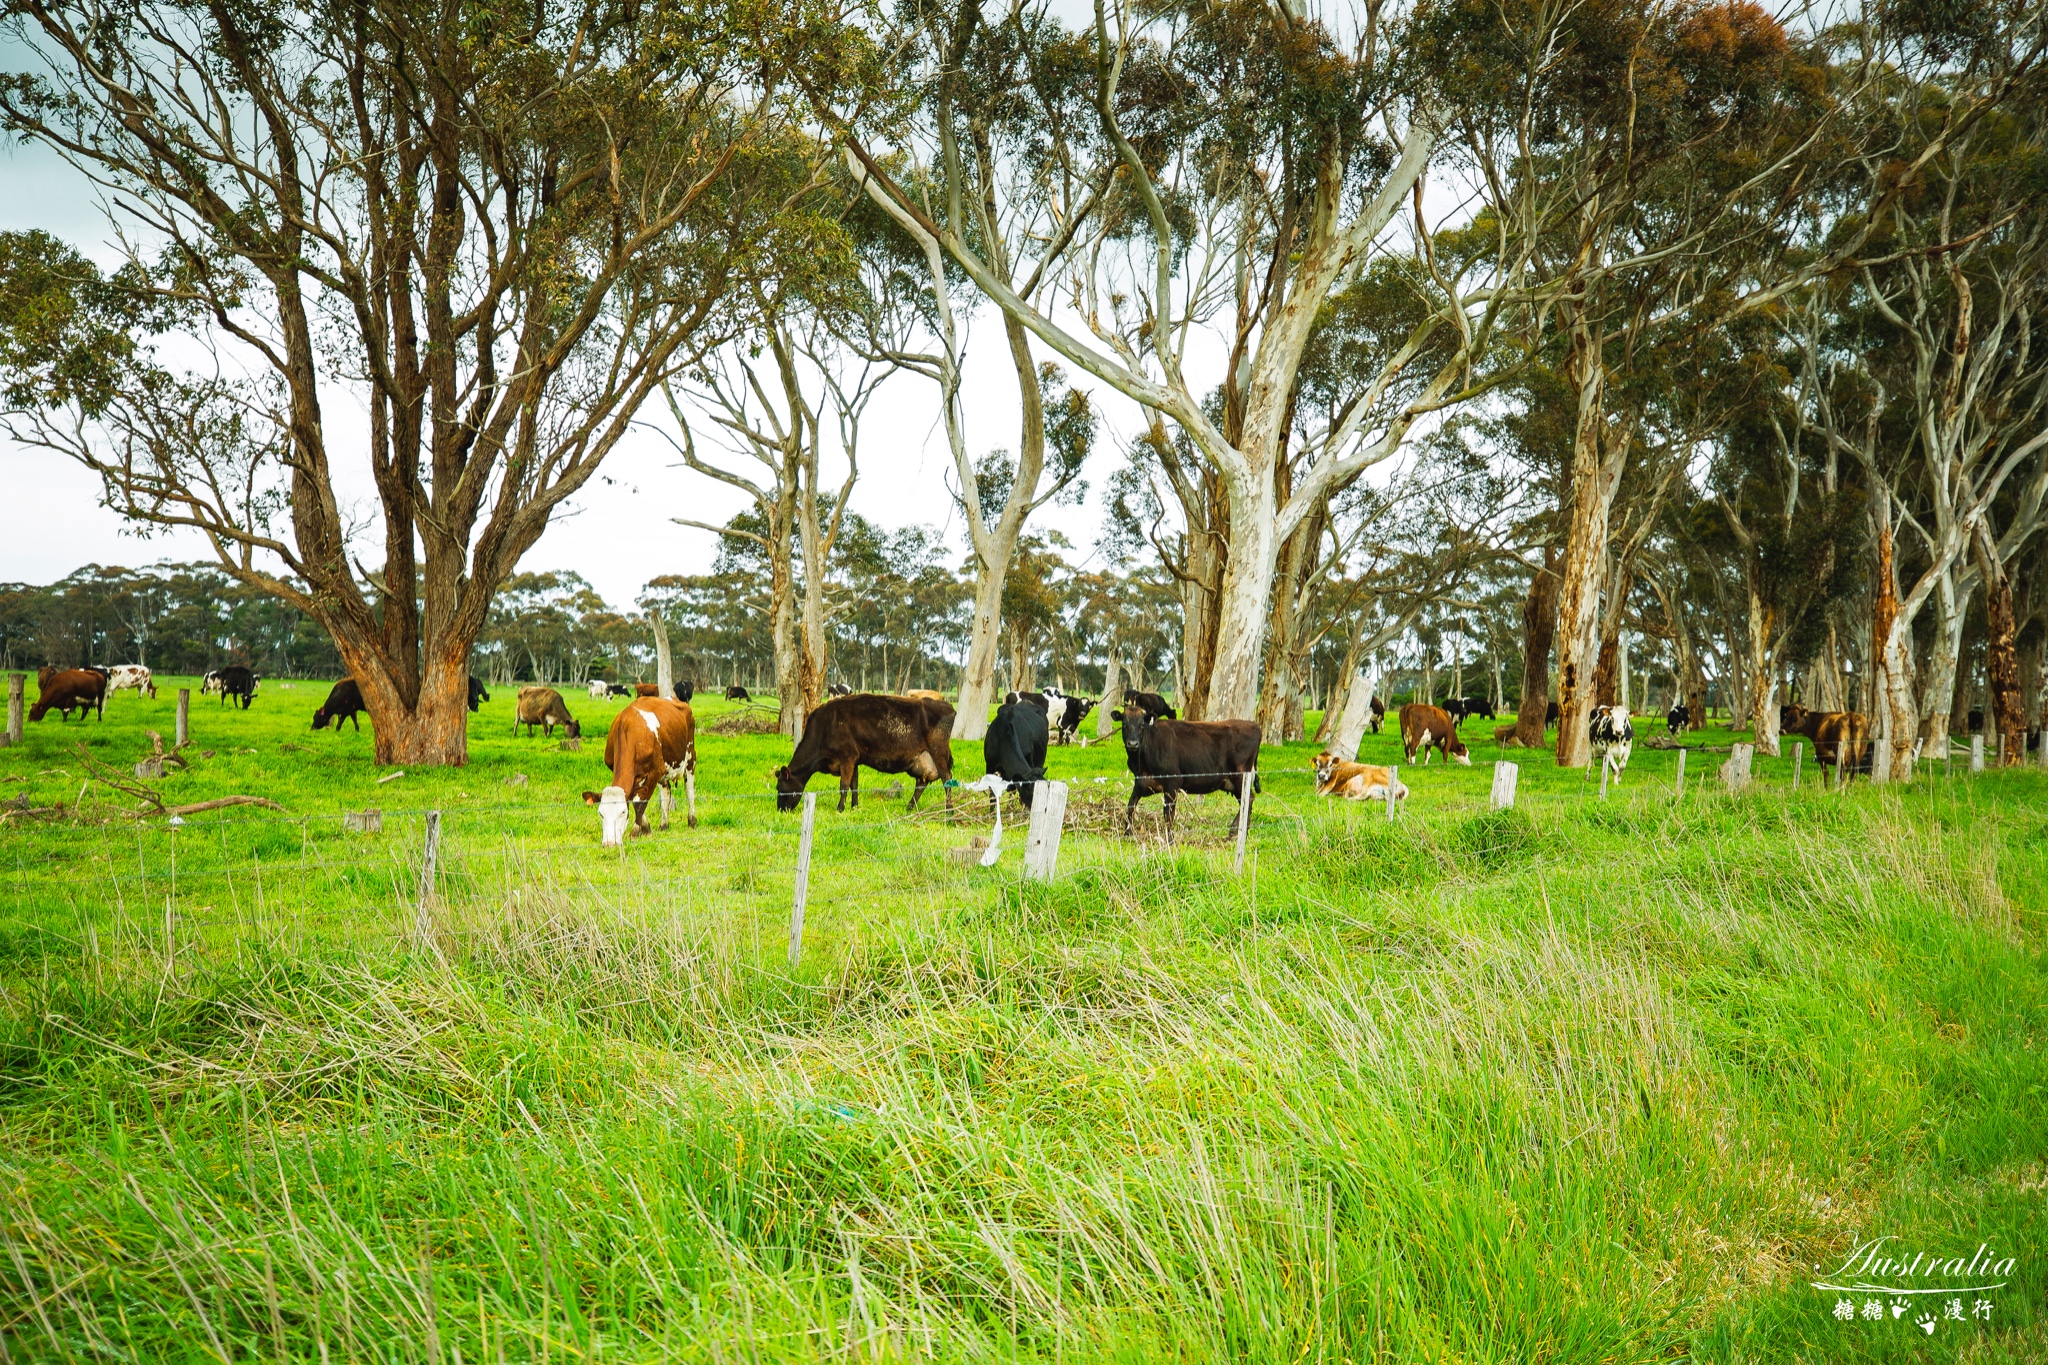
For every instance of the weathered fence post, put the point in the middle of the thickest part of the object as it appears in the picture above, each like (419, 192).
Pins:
(1504, 774)
(803, 881)
(17, 685)
(1603, 777)
(1735, 772)
(1976, 753)
(1798, 755)
(1244, 818)
(1042, 840)
(1881, 759)
(1681, 774)
(184, 714)
(1393, 786)
(433, 853)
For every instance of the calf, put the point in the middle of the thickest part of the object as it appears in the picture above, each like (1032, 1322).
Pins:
(543, 706)
(1066, 714)
(1356, 781)
(1014, 747)
(1174, 756)
(477, 695)
(1428, 727)
(232, 681)
(885, 734)
(1612, 735)
(131, 675)
(651, 744)
(619, 690)
(70, 689)
(1677, 718)
(1838, 736)
(344, 702)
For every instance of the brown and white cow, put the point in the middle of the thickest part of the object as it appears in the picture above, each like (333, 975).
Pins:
(1356, 781)
(1428, 727)
(652, 743)
(67, 689)
(124, 676)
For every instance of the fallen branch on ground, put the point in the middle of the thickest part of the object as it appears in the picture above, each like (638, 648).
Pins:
(218, 803)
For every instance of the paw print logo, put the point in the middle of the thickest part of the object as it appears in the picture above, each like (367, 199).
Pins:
(1926, 1321)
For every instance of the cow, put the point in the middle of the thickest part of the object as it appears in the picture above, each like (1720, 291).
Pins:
(131, 675)
(543, 706)
(1014, 747)
(1379, 715)
(1170, 756)
(922, 694)
(886, 734)
(1975, 720)
(1837, 736)
(619, 690)
(1037, 699)
(67, 689)
(1427, 727)
(1479, 706)
(232, 681)
(651, 743)
(344, 702)
(646, 689)
(1066, 714)
(1454, 707)
(599, 689)
(477, 695)
(1550, 714)
(685, 690)
(839, 690)
(736, 693)
(1612, 735)
(1677, 718)
(1356, 781)
(1151, 703)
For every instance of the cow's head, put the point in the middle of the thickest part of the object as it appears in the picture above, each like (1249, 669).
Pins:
(1325, 764)
(320, 719)
(1791, 717)
(612, 812)
(789, 789)
(572, 729)
(1454, 748)
(1137, 723)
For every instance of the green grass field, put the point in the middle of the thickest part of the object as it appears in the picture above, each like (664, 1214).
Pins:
(1585, 1081)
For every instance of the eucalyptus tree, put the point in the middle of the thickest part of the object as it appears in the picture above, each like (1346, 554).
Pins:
(492, 235)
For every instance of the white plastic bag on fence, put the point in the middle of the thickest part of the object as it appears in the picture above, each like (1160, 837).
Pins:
(993, 784)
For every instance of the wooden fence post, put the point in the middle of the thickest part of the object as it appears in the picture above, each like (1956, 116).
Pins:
(17, 686)
(1504, 774)
(1681, 773)
(1042, 840)
(433, 853)
(1603, 777)
(1244, 817)
(1798, 755)
(1735, 772)
(803, 881)
(1881, 759)
(1393, 785)
(184, 715)
(1976, 753)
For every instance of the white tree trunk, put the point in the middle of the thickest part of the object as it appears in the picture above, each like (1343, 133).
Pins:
(1357, 710)
(664, 674)
(1112, 699)
(1245, 602)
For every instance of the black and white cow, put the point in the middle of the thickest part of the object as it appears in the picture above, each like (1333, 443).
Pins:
(839, 690)
(1612, 735)
(1065, 714)
(1676, 719)
(232, 681)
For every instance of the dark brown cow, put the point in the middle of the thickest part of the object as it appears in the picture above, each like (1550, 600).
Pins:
(1379, 715)
(1428, 727)
(885, 734)
(1836, 735)
(1195, 756)
(66, 689)
(652, 743)
(543, 706)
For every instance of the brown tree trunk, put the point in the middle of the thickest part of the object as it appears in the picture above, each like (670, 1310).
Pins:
(1539, 623)
(434, 730)
(2001, 657)
(1608, 669)
(1206, 556)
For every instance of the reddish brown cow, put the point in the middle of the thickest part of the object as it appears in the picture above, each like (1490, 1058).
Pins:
(1837, 736)
(652, 743)
(1429, 727)
(887, 734)
(67, 688)
(646, 690)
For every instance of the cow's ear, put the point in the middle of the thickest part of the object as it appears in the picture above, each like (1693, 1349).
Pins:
(1116, 715)
(590, 798)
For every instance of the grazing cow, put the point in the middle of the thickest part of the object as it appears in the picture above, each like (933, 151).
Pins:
(1356, 781)
(1379, 715)
(130, 675)
(1677, 718)
(1838, 736)
(651, 744)
(1151, 703)
(736, 693)
(1612, 735)
(1014, 747)
(886, 734)
(839, 690)
(685, 690)
(543, 706)
(1173, 756)
(232, 681)
(67, 689)
(1479, 706)
(1066, 714)
(344, 702)
(923, 694)
(477, 695)
(599, 689)
(1428, 727)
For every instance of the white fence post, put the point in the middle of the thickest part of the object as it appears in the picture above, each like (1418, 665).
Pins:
(1976, 753)
(17, 701)
(433, 853)
(1504, 775)
(803, 881)
(1603, 777)
(1244, 817)
(1798, 754)
(1681, 773)
(1393, 785)
(1042, 841)
(184, 715)
(1735, 772)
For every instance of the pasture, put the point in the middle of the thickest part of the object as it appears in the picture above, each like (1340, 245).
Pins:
(1582, 1081)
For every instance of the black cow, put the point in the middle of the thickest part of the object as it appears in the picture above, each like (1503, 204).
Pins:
(1976, 720)
(1170, 756)
(344, 702)
(232, 681)
(1454, 707)
(1151, 703)
(477, 695)
(887, 734)
(1066, 713)
(685, 690)
(736, 693)
(1677, 718)
(1014, 747)
(1479, 706)
(1550, 714)
(1037, 699)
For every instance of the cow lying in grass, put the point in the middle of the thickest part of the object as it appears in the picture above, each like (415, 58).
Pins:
(1356, 781)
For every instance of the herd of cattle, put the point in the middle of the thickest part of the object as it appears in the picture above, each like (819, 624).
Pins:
(652, 743)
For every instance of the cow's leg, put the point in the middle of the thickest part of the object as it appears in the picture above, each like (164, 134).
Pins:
(666, 801)
(1171, 797)
(1131, 811)
(690, 791)
(845, 784)
(640, 818)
